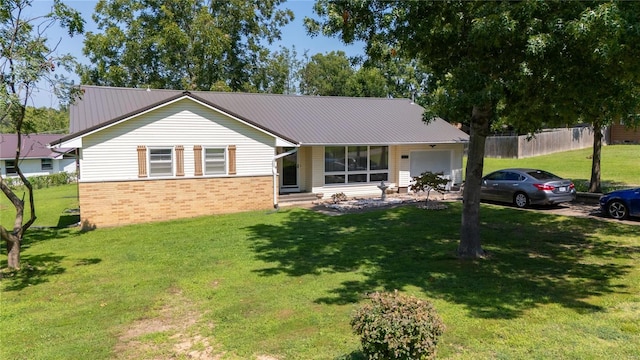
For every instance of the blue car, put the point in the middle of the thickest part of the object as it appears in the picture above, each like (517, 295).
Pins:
(621, 204)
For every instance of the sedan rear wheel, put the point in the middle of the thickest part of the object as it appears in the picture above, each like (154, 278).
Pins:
(520, 200)
(617, 210)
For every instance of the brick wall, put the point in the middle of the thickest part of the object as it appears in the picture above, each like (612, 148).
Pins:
(104, 204)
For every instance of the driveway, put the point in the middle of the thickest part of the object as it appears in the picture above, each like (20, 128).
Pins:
(581, 209)
(584, 209)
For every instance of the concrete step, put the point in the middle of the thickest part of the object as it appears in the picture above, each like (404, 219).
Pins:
(297, 198)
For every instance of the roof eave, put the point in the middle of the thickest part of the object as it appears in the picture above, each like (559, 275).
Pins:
(443, 142)
(75, 140)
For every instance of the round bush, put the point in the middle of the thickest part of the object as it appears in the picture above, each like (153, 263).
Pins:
(397, 326)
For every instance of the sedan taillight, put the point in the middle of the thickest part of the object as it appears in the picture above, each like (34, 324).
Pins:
(543, 187)
(571, 186)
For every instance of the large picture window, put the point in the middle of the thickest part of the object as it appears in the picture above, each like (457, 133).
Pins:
(215, 161)
(160, 162)
(355, 164)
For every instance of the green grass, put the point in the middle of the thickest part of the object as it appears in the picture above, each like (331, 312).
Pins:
(620, 165)
(51, 204)
(285, 284)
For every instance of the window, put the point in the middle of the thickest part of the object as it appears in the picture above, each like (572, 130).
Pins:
(160, 161)
(10, 165)
(215, 161)
(356, 164)
(46, 164)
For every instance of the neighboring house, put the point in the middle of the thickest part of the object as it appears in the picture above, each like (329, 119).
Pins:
(620, 134)
(35, 157)
(151, 155)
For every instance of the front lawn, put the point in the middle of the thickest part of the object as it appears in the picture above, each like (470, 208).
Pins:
(285, 284)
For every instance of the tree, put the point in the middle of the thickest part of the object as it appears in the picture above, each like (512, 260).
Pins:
(40, 121)
(428, 181)
(28, 61)
(276, 72)
(367, 82)
(606, 71)
(405, 77)
(590, 61)
(487, 60)
(182, 44)
(326, 74)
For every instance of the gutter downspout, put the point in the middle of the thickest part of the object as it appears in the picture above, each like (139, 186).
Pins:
(275, 175)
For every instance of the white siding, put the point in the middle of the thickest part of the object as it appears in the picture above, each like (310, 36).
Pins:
(111, 154)
(33, 167)
(64, 165)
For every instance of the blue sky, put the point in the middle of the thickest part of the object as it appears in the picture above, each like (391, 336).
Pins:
(294, 34)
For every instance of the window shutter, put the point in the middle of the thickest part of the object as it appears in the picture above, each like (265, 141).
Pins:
(142, 161)
(197, 157)
(179, 160)
(232, 159)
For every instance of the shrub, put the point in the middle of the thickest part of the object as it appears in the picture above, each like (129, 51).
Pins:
(43, 181)
(396, 326)
(428, 181)
(337, 197)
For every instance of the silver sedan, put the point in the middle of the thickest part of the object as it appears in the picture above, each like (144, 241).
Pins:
(524, 187)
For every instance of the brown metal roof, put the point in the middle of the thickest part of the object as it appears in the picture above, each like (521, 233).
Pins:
(34, 146)
(306, 120)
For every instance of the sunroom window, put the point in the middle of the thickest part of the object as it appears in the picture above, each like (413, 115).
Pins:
(356, 164)
(160, 161)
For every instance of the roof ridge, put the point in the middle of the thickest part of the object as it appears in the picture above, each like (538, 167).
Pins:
(178, 91)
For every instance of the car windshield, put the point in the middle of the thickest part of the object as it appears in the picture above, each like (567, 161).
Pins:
(542, 175)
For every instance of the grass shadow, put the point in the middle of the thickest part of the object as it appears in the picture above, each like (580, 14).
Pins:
(355, 355)
(535, 258)
(582, 185)
(34, 270)
(68, 220)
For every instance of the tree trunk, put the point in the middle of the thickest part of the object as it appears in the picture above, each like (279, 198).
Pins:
(470, 230)
(13, 239)
(13, 249)
(594, 185)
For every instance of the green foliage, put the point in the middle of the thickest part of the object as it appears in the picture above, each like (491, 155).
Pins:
(43, 181)
(526, 64)
(397, 326)
(276, 72)
(334, 74)
(367, 82)
(187, 44)
(29, 62)
(326, 74)
(41, 121)
(428, 181)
